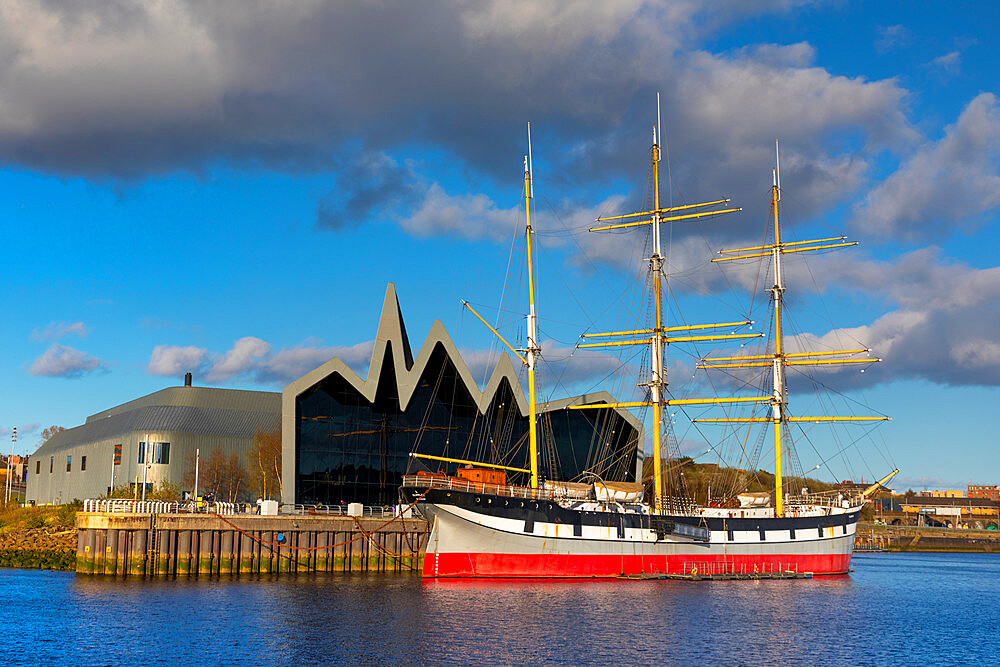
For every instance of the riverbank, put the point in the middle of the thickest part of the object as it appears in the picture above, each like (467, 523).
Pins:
(873, 537)
(42, 538)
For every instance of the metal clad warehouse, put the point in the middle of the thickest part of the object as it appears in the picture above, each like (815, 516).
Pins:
(81, 462)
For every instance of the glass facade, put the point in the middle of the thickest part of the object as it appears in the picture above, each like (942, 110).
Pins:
(348, 449)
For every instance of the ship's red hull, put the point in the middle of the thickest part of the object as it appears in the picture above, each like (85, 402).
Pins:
(607, 566)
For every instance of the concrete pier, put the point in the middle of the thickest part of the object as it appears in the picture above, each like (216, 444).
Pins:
(200, 545)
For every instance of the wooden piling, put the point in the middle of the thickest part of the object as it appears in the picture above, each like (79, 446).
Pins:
(205, 545)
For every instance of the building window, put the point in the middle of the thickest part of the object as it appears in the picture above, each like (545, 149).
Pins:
(83, 463)
(159, 452)
(52, 464)
(69, 462)
(38, 467)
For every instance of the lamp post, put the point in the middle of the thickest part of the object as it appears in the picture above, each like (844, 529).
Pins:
(144, 449)
(10, 466)
(197, 459)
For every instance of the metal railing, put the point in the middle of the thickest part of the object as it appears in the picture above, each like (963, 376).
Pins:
(429, 481)
(385, 511)
(129, 506)
(825, 499)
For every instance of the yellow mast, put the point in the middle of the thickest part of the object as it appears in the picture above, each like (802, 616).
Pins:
(658, 375)
(530, 356)
(778, 400)
(532, 349)
(779, 359)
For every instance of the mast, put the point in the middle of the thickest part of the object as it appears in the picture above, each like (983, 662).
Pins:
(657, 336)
(530, 356)
(778, 364)
(532, 349)
(657, 381)
(780, 360)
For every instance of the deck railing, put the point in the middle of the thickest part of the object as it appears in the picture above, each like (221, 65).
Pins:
(437, 482)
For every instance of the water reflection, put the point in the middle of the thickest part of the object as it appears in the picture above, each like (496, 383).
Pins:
(883, 613)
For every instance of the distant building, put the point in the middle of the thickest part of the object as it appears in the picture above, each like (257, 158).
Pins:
(940, 510)
(990, 492)
(950, 493)
(854, 488)
(160, 431)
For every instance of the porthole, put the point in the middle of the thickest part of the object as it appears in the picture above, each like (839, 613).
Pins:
(478, 500)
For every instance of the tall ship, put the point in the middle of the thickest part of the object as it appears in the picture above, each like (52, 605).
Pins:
(483, 526)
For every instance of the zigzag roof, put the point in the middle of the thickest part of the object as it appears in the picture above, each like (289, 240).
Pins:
(408, 370)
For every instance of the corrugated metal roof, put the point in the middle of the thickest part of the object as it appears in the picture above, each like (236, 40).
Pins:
(239, 423)
(202, 397)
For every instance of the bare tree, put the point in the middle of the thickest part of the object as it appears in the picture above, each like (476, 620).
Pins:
(265, 460)
(221, 474)
(50, 431)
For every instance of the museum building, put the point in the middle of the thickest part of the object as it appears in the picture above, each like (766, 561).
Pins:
(350, 439)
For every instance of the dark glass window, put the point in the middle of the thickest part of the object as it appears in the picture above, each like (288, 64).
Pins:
(83, 463)
(791, 533)
(348, 449)
(69, 462)
(38, 467)
(52, 463)
(159, 452)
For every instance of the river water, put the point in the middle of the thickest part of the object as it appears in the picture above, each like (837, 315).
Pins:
(894, 609)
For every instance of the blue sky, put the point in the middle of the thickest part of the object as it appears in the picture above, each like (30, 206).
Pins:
(227, 189)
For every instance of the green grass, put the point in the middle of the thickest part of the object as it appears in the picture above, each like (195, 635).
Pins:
(14, 517)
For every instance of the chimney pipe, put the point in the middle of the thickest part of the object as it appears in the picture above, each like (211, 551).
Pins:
(187, 379)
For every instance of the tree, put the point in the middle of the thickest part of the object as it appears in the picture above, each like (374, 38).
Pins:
(221, 474)
(50, 431)
(265, 461)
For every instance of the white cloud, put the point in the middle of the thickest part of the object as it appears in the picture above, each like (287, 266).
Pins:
(174, 360)
(470, 216)
(59, 330)
(292, 363)
(245, 355)
(62, 361)
(252, 358)
(944, 185)
(22, 430)
(892, 37)
(948, 64)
